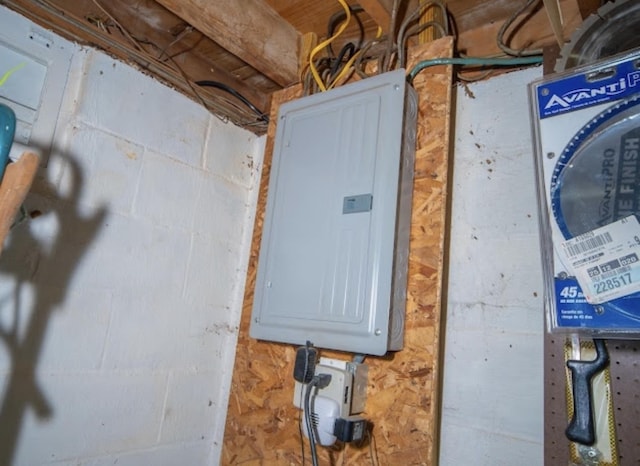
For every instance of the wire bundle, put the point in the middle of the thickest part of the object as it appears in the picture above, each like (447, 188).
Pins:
(328, 70)
(389, 51)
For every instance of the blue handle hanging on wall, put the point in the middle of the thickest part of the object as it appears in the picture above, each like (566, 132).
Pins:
(7, 132)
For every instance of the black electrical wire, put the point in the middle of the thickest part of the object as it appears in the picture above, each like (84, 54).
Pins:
(345, 54)
(236, 94)
(320, 381)
(340, 16)
(300, 426)
(307, 419)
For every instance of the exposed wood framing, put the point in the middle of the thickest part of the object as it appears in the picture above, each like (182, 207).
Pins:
(175, 42)
(472, 14)
(308, 42)
(70, 18)
(380, 11)
(588, 7)
(403, 392)
(253, 46)
(555, 19)
(250, 29)
(535, 32)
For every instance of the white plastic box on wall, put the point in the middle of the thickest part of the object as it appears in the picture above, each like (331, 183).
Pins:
(334, 252)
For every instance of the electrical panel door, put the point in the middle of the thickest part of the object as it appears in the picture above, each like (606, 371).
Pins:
(334, 251)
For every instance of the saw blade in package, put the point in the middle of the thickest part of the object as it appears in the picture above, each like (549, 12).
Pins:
(586, 126)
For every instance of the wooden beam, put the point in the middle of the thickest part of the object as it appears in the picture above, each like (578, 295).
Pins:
(148, 20)
(380, 11)
(535, 32)
(250, 29)
(555, 19)
(588, 7)
(66, 18)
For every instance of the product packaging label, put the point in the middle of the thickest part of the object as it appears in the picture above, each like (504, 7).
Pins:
(606, 261)
(588, 89)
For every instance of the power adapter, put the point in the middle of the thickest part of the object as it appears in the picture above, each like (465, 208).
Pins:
(305, 364)
(350, 429)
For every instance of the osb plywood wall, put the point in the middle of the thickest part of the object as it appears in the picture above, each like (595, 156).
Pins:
(403, 394)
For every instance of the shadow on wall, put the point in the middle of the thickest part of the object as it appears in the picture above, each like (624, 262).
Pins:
(29, 261)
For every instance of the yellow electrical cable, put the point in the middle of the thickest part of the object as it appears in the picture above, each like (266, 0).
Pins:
(322, 45)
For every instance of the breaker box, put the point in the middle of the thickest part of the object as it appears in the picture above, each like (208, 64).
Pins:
(334, 252)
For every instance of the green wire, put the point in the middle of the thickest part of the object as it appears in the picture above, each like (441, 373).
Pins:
(473, 61)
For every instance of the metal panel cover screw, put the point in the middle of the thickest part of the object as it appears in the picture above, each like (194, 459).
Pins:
(378, 332)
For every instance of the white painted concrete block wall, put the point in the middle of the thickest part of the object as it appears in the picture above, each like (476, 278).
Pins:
(493, 392)
(131, 280)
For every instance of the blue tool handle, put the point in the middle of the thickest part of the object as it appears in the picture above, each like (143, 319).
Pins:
(581, 429)
(7, 132)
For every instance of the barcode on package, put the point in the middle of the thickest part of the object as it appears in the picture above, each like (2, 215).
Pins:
(588, 244)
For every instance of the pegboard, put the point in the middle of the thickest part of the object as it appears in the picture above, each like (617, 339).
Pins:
(625, 386)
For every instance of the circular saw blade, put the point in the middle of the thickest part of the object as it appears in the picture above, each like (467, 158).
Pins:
(612, 30)
(596, 181)
(597, 178)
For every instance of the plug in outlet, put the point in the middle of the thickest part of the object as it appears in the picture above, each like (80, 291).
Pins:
(348, 386)
(338, 390)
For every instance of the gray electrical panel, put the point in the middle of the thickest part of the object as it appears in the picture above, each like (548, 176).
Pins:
(334, 253)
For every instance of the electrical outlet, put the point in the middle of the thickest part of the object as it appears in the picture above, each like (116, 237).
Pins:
(348, 386)
(339, 389)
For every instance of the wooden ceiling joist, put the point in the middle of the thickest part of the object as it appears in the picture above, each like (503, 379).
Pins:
(251, 48)
(250, 29)
(69, 18)
(380, 11)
